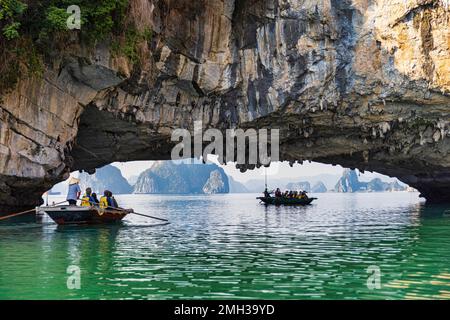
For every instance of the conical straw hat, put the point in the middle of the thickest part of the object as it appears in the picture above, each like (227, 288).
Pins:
(73, 180)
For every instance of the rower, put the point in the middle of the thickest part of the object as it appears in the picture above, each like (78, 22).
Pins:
(74, 191)
(278, 193)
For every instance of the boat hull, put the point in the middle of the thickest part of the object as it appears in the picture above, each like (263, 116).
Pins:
(73, 215)
(286, 201)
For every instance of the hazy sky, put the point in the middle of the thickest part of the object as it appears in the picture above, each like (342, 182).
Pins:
(277, 169)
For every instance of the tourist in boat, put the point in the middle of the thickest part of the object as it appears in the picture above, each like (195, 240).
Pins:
(104, 200)
(303, 195)
(88, 200)
(278, 193)
(74, 191)
(266, 193)
(113, 200)
(94, 196)
(108, 201)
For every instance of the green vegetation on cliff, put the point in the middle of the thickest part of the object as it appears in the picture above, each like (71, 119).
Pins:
(128, 44)
(31, 30)
(42, 19)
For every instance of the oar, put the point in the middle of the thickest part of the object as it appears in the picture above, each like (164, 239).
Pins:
(55, 204)
(145, 215)
(23, 212)
(136, 213)
(139, 214)
(16, 214)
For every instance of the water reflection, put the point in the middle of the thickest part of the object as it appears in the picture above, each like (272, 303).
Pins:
(232, 247)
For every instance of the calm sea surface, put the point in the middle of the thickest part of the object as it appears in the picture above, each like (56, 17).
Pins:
(230, 246)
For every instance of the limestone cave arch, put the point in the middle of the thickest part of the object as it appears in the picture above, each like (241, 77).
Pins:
(364, 84)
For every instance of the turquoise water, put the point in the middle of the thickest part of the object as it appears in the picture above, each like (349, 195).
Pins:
(230, 246)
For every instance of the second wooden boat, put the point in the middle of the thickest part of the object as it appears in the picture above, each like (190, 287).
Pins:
(286, 201)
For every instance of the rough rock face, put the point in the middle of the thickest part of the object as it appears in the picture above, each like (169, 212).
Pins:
(361, 83)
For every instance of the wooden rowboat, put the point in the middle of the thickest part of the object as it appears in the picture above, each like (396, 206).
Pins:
(66, 215)
(286, 201)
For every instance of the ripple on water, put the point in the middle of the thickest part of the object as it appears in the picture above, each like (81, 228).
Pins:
(229, 246)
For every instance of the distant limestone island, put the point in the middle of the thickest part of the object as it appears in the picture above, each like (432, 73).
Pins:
(164, 177)
(168, 177)
(106, 178)
(349, 182)
(318, 187)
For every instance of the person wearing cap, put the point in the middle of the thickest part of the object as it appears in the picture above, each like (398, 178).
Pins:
(74, 191)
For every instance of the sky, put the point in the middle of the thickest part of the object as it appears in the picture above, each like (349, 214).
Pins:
(277, 169)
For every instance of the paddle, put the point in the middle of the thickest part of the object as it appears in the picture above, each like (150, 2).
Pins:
(144, 215)
(23, 212)
(139, 214)
(55, 204)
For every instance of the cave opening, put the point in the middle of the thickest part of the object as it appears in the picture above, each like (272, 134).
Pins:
(192, 176)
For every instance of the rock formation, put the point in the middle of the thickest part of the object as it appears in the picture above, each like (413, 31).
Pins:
(349, 182)
(377, 185)
(360, 83)
(168, 177)
(319, 187)
(106, 178)
(216, 183)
